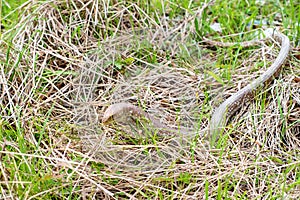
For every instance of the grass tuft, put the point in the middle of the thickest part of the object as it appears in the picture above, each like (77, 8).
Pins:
(63, 62)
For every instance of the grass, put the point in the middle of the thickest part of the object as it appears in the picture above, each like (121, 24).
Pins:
(63, 63)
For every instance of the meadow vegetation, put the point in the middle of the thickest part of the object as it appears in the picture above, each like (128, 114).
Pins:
(64, 62)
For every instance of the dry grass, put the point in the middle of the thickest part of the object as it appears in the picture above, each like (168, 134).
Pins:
(67, 61)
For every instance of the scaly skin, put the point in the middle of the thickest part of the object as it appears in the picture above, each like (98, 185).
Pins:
(232, 104)
(229, 106)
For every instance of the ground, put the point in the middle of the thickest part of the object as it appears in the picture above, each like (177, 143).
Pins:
(64, 62)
